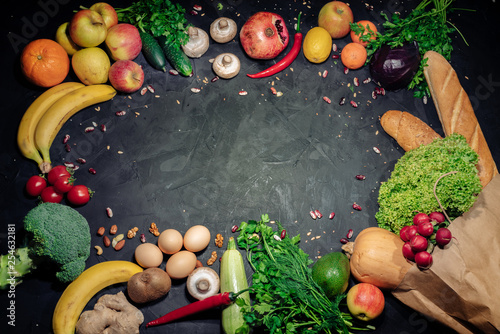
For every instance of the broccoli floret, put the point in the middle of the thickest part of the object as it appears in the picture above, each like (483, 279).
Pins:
(61, 235)
(15, 265)
(410, 188)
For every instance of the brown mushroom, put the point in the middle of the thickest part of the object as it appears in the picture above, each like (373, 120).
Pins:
(223, 29)
(202, 283)
(226, 65)
(197, 44)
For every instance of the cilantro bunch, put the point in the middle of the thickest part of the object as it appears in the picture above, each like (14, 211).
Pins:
(158, 18)
(285, 297)
(427, 24)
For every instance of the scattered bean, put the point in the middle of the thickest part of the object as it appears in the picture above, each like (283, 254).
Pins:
(109, 212)
(344, 240)
(81, 161)
(66, 139)
(143, 238)
(67, 148)
(327, 100)
(332, 214)
(89, 129)
(92, 171)
(214, 79)
(342, 101)
(318, 214)
(120, 113)
(376, 149)
(277, 237)
(313, 214)
(283, 234)
(234, 228)
(335, 57)
(356, 81)
(195, 90)
(103, 127)
(356, 207)
(360, 177)
(243, 92)
(354, 104)
(349, 234)
(151, 88)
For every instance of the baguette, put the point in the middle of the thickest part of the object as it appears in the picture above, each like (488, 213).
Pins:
(455, 111)
(409, 131)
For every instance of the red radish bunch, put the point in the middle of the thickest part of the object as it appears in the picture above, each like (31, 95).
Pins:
(56, 185)
(421, 237)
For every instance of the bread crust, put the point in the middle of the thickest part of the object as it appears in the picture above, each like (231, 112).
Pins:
(455, 111)
(409, 131)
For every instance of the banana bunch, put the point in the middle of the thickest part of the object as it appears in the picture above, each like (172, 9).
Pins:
(47, 114)
(76, 296)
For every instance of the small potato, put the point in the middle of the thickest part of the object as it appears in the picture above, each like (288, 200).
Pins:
(148, 285)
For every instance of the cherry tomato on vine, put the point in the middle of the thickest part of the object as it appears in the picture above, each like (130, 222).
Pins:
(56, 172)
(79, 195)
(49, 194)
(64, 184)
(35, 185)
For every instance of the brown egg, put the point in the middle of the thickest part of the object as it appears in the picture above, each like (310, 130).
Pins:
(181, 264)
(170, 241)
(196, 238)
(148, 255)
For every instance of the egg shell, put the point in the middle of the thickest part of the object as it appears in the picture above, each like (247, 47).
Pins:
(181, 264)
(196, 238)
(148, 255)
(170, 241)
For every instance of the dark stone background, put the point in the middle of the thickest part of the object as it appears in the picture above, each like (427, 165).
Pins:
(217, 158)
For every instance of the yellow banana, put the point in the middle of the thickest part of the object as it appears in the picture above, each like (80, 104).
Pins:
(84, 287)
(27, 126)
(68, 105)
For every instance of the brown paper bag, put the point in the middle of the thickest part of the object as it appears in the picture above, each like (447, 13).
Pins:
(462, 287)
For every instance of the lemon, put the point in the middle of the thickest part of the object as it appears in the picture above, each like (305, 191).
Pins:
(317, 45)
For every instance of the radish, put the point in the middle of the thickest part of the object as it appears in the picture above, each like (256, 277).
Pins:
(410, 232)
(407, 252)
(420, 218)
(443, 236)
(418, 243)
(423, 260)
(425, 229)
(402, 233)
(437, 216)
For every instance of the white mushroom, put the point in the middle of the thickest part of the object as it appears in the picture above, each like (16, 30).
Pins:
(197, 44)
(223, 29)
(202, 283)
(226, 65)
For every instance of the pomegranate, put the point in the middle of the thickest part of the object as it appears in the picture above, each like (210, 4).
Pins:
(264, 35)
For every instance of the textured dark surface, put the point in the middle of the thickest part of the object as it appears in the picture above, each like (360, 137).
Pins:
(217, 158)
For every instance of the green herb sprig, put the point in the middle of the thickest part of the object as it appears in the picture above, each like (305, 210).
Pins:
(428, 25)
(157, 17)
(285, 297)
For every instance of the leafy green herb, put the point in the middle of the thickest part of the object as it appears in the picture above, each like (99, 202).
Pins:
(365, 33)
(220, 6)
(427, 24)
(159, 18)
(285, 297)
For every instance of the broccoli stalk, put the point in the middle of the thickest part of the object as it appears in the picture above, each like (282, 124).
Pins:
(14, 266)
(59, 236)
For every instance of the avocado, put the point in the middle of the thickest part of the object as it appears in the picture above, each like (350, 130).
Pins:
(331, 272)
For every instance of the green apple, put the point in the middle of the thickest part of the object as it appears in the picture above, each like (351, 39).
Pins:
(87, 28)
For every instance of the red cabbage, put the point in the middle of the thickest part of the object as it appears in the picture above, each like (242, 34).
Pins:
(394, 68)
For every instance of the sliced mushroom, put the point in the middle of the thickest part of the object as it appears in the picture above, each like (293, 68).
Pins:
(197, 44)
(202, 283)
(226, 65)
(223, 29)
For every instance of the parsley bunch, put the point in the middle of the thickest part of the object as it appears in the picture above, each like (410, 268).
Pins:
(158, 18)
(427, 24)
(285, 297)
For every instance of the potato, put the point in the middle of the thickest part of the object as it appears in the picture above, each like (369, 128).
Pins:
(148, 285)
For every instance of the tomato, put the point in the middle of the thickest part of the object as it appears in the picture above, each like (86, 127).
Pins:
(49, 194)
(35, 185)
(79, 195)
(64, 184)
(56, 172)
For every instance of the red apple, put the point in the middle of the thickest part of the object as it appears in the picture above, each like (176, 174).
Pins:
(87, 28)
(365, 301)
(107, 12)
(126, 76)
(335, 17)
(123, 42)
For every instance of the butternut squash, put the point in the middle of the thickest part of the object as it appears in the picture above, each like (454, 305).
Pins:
(376, 257)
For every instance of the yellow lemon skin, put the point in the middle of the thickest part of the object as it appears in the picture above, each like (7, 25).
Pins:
(317, 45)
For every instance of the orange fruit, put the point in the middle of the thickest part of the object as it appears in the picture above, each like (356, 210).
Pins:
(353, 56)
(44, 62)
(369, 29)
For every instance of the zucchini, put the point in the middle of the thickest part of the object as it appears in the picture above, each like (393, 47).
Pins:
(176, 57)
(233, 279)
(153, 52)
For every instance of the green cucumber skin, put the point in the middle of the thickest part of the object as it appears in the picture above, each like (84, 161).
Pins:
(176, 57)
(153, 52)
(233, 279)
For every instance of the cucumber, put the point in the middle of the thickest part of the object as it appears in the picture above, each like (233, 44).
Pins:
(153, 52)
(176, 57)
(233, 279)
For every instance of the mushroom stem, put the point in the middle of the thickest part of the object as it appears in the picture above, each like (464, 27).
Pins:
(203, 285)
(192, 32)
(223, 24)
(227, 60)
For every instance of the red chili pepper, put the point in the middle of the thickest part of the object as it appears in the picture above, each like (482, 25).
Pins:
(287, 60)
(220, 299)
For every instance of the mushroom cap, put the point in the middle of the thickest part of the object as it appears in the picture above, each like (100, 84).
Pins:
(223, 29)
(198, 43)
(226, 65)
(203, 282)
